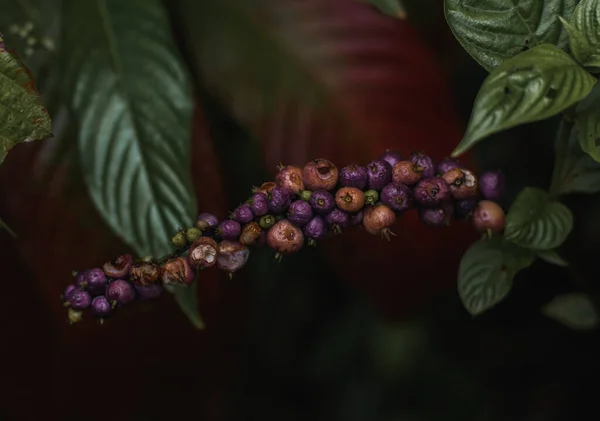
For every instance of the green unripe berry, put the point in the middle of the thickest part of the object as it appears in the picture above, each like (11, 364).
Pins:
(267, 221)
(192, 234)
(179, 240)
(371, 197)
(305, 195)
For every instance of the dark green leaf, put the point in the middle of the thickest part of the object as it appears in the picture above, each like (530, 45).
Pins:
(23, 117)
(552, 257)
(131, 93)
(535, 221)
(486, 272)
(7, 228)
(493, 31)
(587, 120)
(187, 299)
(393, 8)
(575, 311)
(584, 32)
(532, 86)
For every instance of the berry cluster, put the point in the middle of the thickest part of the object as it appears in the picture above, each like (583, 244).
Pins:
(302, 205)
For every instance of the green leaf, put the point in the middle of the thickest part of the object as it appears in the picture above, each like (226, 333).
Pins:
(552, 257)
(532, 86)
(486, 272)
(131, 93)
(7, 229)
(393, 8)
(575, 311)
(587, 120)
(187, 299)
(23, 117)
(536, 221)
(584, 33)
(493, 31)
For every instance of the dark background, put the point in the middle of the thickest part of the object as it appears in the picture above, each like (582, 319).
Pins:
(356, 329)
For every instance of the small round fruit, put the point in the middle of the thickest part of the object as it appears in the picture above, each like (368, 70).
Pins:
(251, 234)
(438, 216)
(206, 221)
(299, 213)
(192, 234)
(177, 271)
(424, 162)
(354, 176)
(463, 183)
(120, 292)
(407, 172)
(232, 256)
(101, 307)
(92, 280)
(68, 290)
(488, 216)
(267, 222)
(356, 219)
(259, 205)
(285, 238)
(350, 199)
(432, 192)
(243, 214)
(379, 173)
(148, 292)
(305, 195)
(320, 174)
(203, 253)
(397, 196)
(179, 240)
(229, 229)
(391, 157)
(316, 229)
(279, 199)
(378, 219)
(322, 201)
(119, 267)
(79, 299)
(290, 178)
(447, 164)
(371, 197)
(464, 208)
(492, 185)
(337, 219)
(145, 273)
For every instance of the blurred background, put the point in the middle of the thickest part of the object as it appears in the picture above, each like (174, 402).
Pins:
(355, 329)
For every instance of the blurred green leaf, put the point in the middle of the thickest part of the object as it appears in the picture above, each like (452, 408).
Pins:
(7, 228)
(187, 299)
(575, 311)
(493, 31)
(552, 257)
(532, 86)
(23, 117)
(487, 270)
(393, 8)
(587, 120)
(536, 221)
(584, 33)
(131, 93)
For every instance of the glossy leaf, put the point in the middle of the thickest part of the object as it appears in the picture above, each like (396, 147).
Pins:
(587, 121)
(552, 257)
(584, 33)
(23, 117)
(130, 91)
(493, 31)
(393, 8)
(532, 86)
(486, 273)
(575, 311)
(536, 221)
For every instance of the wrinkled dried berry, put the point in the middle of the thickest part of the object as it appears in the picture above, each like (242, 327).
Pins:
(259, 204)
(322, 201)
(492, 185)
(251, 234)
(279, 199)
(379, 173)
(177, 271)
(371, 197)
(397, 196)
(203, 253)
(337, 219)
(229, 229)
(463, 183)
(243, 214)
(145, 273)
(424, 162)
(432, 192)
(391, 157)
(320, 174)
(265, 188)
(465, 207)
(438, 216)
(119, 267)
(120, 292)
(290, 178)
(350, 199)
(207, 221)
(148, 292)
(488, 216)
(232, 256)
(354, 176)
(447, 164)
(79, 299)
(92, 280)
(101, 307)
(285, 238)
(378, 219)
(299, 213)
(316, 229)
(407, 172)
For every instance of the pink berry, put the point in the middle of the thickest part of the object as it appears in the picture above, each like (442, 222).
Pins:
(284, 237)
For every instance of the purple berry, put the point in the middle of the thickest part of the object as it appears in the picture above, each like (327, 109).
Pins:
(229, 229)
(120, 292)
(93, 280)
(356, 219)
(354, 176)
(438, 216)
(279, 199)
(79, 299)
(447, 164)
(243, 214)
(316, 229)
(320, 174)
(259, 204)
(285, 238)
(119, 267)
(232, 256)
(101, 307)
(379, 173)
(337, 219)
(397, 196)
(300, 212)
(432, 192)
(148, 292)
(322, 201)
(69, 289)
(424, 162)
(206, 221)
(290, 178)
(465, 207)
(492, 185)
(391, 157)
